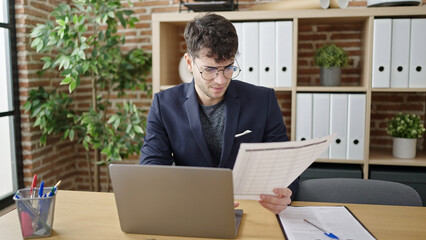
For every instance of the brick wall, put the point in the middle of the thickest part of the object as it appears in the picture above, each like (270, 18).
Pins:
(66, 161)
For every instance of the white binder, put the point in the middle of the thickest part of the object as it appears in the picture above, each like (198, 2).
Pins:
(321, 117)
(418, 54)
(267, 53)
(381, 53)
(284, 46)
(239, 28)
(250, 57)
(303, 116)
(338, 125)
(356, 126)
(400, 52)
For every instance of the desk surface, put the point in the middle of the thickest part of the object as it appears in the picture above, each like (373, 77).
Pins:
(88, 215)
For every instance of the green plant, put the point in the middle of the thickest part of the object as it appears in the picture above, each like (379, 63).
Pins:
(405, 125)
(330, 56)
(83, 43)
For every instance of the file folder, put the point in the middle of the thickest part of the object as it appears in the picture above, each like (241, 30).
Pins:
(356, 126)
(321, 117)
(267, 52)
(400, 52)
(338, 125)
(250, 57)
(239, 28)
(284, 48)
(303, 116)
(382, 35)
(418, 54)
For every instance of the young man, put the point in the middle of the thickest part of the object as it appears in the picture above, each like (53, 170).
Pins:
(203, 123)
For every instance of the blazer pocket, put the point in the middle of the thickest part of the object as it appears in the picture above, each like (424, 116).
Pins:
(247, 136)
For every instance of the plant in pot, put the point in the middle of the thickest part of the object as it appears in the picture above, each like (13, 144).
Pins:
(82, 43)
(405, 129)
(330, 58)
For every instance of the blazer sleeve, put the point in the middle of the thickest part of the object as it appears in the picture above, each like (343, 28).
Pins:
(156, 149)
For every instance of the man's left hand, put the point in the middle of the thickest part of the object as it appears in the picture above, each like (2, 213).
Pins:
(276, 203)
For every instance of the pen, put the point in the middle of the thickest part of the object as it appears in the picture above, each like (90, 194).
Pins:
(54, 189)
(40, 191)
(328, 234)
(33, 185)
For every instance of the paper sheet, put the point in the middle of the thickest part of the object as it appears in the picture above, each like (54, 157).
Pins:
(261, 167)
(335, 219)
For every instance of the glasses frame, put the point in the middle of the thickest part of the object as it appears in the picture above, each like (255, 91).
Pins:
(217, 70)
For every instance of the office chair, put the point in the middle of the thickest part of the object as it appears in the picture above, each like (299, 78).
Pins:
(363, 191)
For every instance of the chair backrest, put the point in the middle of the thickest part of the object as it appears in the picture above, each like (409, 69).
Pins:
(363, 191)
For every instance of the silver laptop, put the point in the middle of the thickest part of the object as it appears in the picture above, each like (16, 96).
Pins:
(171, 200)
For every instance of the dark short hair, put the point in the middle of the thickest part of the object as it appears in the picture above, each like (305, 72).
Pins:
(213, 32)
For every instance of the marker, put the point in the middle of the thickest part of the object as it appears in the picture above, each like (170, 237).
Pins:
(33, 185)
(54, 189)
(328, 234)
(40, 191)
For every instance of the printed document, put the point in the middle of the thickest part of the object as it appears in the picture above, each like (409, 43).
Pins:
(261, 167)
(335, 219)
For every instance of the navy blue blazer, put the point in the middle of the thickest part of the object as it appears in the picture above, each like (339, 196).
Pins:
(174, 132)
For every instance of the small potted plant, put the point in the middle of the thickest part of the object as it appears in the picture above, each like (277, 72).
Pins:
(330, 58)
(405, 128)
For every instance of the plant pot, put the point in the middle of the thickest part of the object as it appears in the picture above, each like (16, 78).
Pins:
(404, 147)
(330, 76)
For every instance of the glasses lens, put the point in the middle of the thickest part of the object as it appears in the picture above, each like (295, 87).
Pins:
(209, 73)
(231, 72)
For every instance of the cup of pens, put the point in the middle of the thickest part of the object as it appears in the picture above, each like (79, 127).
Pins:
(36, 207)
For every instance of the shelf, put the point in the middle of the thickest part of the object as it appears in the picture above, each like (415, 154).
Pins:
(344, 161)
(398, 89)
(384, 157)
(283, 89)
(331, 89)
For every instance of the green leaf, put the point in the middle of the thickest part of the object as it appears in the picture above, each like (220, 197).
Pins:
(138, 129)
(61, 22)
(66, 80)
(72, 86)
(72, 134)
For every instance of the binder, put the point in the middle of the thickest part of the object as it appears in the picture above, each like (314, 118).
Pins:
(418, 54)
(284, 56)
(239, 28)
(321, 117)
(400, 52)
(250, 67)
(356, 126)
(303, 116)
(381, 53)
(267, 54)
(338, 125)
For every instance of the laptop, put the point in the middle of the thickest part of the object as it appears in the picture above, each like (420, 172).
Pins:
(172, 200)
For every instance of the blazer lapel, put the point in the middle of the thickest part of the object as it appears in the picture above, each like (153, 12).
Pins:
(232, 113)
(193, 113)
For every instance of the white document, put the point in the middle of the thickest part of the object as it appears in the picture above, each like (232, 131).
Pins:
(356, 126)
(382, 53)
(400, 52)
(418, 54)
(321, 117)
(335, 219)
(250, 67)
(261, 167)
(267, 53)
(284, 57)
(239, 28)
(303, 116)
(338, 125)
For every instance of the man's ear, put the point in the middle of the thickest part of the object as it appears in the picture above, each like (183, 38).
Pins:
(188, 60)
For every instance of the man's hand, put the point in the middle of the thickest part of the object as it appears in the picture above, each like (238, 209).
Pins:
(276, 203)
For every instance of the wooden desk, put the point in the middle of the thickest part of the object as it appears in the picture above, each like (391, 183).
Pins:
(88, 215)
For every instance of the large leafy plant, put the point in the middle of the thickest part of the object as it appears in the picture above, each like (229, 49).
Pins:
(82, 43)
(405, 125)
(330, 56)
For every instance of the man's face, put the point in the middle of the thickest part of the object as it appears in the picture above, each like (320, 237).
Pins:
(212, 91)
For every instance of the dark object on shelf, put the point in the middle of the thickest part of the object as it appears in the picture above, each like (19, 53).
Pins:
(209, 5)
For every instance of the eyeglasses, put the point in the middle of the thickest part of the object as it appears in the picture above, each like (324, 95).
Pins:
(210, 73)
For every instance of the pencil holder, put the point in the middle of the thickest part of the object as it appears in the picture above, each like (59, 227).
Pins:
(35, 213)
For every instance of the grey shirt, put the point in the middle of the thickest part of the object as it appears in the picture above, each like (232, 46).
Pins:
(213, 122)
